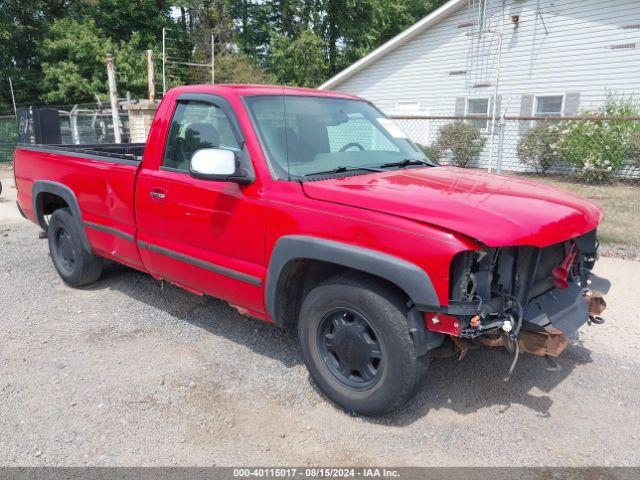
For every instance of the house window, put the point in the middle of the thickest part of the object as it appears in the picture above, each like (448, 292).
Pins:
(549, 105)
(478, 106)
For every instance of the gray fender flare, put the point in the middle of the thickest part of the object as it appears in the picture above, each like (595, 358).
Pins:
(413, 280)
(64, 192)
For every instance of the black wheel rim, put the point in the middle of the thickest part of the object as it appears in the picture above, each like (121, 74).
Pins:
(65, 252)
(350, 348)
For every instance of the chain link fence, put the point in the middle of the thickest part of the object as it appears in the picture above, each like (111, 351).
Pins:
(77, 124)
(8, 137)
(590, 148)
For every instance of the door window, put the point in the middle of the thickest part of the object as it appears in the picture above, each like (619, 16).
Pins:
(196, 125)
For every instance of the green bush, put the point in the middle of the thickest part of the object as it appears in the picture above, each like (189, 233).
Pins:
(599, 148)
(431, 152)
(460, 142)
(634, 149)
(538, 148)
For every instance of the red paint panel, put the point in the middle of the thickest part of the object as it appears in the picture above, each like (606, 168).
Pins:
(104, 191)
(114, 248)
(494, 209)
(291, 213)
(197, 279)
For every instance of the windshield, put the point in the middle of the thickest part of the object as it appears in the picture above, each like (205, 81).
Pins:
(305, 135)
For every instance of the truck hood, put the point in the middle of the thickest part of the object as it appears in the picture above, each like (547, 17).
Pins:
(493, 209)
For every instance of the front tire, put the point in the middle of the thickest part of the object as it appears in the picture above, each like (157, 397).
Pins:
(355, 340)
(75, 265)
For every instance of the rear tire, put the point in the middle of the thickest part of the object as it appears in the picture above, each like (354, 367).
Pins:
(75, 265)
(355, 340)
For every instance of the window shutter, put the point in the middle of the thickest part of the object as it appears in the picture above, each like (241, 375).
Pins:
(460, 104)
(526, 110)
(571, 103)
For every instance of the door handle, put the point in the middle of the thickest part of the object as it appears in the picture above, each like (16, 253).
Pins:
(158, 194)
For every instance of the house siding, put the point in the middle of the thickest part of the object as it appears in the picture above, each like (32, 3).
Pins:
(581, 49)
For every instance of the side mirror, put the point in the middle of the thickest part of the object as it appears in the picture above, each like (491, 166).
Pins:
(215, 164)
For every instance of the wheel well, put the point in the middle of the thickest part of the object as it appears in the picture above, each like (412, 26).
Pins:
(300, 276)
(47, 203)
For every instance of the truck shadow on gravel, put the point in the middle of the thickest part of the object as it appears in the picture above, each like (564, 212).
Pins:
(462, 387)
(210, 314)
(478, 382)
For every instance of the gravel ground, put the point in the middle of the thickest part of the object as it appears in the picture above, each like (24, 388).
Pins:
(129, 373)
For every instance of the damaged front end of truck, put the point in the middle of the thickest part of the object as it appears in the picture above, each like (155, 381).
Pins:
(526, 299)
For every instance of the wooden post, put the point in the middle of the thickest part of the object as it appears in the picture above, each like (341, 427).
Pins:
(151, 86)
(13, 98)
(113, 96)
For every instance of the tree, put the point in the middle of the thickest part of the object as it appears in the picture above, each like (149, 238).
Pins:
(352, 28)
(54, 50)
(300, 61)
(253, 26)
(22, 29)
(131, 66)
(47, 62)
(120, 20)
(73, 61)
(239, 68)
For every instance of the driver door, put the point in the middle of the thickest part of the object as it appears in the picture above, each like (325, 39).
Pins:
(203, 235)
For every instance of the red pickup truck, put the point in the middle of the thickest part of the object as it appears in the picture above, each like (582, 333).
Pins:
(312, 210)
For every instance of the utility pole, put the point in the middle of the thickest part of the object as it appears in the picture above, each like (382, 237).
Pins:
(164, 61)
(13, 98)
(495, 112)
(150, 84)
(213, 62)
(113, 96)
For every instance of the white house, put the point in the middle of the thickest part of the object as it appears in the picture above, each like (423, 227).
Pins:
(537, 57)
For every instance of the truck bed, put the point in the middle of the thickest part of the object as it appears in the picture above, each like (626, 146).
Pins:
(101, 179)
(114, 152)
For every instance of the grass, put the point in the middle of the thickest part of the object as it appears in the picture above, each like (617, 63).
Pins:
(621, 204)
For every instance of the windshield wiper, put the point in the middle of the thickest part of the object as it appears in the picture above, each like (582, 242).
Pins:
(407, 162)
(343, 169)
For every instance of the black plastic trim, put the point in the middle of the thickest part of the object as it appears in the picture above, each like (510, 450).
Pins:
(78, 154)
(212, 267)
(424, 340)
(466, 309)
(409, 277)
(565, 309)
(111, 230)
(64, 192)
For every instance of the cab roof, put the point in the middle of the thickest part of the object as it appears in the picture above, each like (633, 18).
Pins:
(246, 90)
